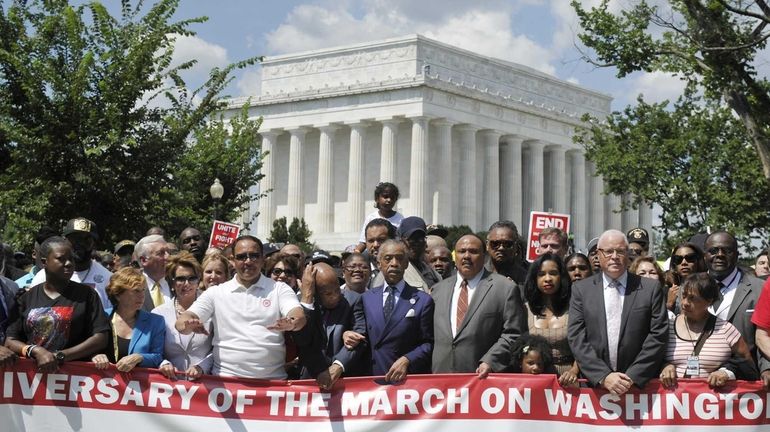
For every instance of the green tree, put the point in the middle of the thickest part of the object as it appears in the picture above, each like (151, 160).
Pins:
(712, 44)
(296, 233)
(96, 121)
(692, 159)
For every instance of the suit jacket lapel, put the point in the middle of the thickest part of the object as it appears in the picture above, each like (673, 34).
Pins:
(741, 291)
(478, 296)
(137, 333)
(402, 307)
(374, 314)
(628, 302)
(446, 301)
(595, 296)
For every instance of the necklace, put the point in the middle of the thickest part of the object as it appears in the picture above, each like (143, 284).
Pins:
(689, 334)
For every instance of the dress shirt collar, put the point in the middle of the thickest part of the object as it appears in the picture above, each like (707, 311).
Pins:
(399, 288)
(472, 282)
(622, 280)
(730, 281)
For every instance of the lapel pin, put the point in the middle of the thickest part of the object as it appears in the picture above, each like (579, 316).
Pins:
(412, 301)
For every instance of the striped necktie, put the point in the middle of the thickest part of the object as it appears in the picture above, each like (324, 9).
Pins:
(462, 304)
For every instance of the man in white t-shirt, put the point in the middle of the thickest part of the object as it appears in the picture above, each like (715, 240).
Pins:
(250, 314)
(81, 232)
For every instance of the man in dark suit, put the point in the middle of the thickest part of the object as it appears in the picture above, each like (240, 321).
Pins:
(618, 328)
(334, 312)
(478, 315)
(399, 319)
(740, 290)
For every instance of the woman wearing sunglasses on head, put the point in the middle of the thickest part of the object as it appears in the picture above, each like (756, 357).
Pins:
(686, 259)
(189, 354)
(284, 268)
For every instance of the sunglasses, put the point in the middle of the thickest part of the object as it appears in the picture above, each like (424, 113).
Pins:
(495, 244)
(678, 259)
(717, 249)
(278, 272)
(183, 279)
(248, 256)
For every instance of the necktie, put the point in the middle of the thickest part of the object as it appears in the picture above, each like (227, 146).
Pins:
(390, 302)
(157, 296)
(613, 310)
(462, 305)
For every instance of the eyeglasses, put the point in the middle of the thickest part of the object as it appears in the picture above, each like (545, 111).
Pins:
(195, 238)
(183, 279)
(717, 249)
(678, 259)
(506, 244)
(278, 272)
(610, 252)
(355, 267)
(248, 256)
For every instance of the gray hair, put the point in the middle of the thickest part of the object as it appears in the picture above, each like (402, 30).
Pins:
(141, 246)
(612, 233)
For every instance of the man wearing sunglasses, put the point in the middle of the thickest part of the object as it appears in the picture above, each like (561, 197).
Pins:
(739, 290)
(504, 251)
(618, 326)
(250, 313)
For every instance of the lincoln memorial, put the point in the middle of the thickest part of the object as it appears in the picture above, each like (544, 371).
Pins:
(468, 140)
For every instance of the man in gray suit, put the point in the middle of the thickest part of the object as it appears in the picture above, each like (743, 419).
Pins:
(478, 315)
(740, 290)
(618, 327)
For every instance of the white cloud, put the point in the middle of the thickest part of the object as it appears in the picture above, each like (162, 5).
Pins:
(657, 87)
(207, 54)
(250, 82)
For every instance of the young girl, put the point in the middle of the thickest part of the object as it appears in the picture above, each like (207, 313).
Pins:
(385, 198)
(531, 354)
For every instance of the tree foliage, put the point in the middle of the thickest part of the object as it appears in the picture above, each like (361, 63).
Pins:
(296, 233)
(709, 43)
(692, 159)
(96, 121)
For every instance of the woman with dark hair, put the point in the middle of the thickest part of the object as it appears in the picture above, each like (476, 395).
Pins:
(284, 268)
(190, 354)
(58, 320)
(578, 266)
(136, 337)
(547, 293)
(686, 259)
(700, 344)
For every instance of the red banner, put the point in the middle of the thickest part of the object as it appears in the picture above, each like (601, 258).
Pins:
(79, 395)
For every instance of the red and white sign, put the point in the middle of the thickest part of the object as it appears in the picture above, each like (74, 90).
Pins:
(223, 234)
(79, 397)
(538, 221)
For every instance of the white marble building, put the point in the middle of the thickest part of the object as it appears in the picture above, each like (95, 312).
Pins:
(468, 139)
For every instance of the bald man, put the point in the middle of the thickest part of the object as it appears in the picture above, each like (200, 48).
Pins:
(333, 312)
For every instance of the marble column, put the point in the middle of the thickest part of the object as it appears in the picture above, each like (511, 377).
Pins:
(579, 198)
(558, 190)
(467, 174)
(511, 176)
(388, 153)
(443, 209)
(356, 176)
(295, 201)
(491, 144)
(536, 173)
(266, 184)
(630, 215)
(598, 222)
(418, 169)
(326, 179)
(614, 218)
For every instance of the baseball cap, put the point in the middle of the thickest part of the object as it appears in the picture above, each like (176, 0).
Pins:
(410, 225)
(80, 224)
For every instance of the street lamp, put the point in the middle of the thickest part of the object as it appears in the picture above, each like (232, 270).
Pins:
(217, 191)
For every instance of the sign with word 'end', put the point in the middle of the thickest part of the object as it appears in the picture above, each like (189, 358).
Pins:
(538, 221)
(223, 234)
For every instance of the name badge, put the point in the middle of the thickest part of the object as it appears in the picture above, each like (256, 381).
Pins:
(693, 366)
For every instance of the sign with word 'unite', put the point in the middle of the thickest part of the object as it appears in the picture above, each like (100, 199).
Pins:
(223, 234)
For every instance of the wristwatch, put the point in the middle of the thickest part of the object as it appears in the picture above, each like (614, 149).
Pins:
(59, 356)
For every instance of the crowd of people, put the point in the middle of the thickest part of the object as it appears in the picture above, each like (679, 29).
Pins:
(400, 302)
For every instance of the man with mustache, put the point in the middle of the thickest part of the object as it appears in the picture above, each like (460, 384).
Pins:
(399, 319)
(81, 232)
(504, 249)
(479, 315)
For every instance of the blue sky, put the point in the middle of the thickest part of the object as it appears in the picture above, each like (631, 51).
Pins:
(538, 33)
